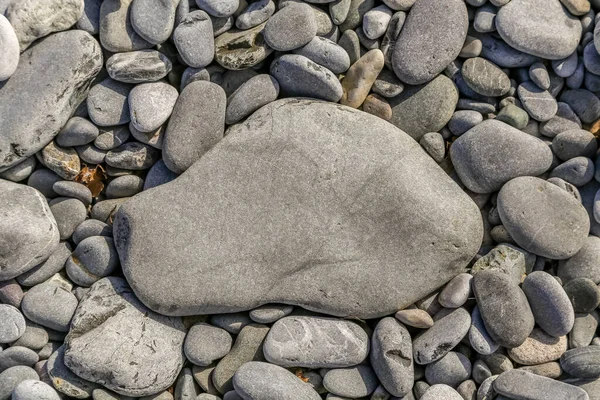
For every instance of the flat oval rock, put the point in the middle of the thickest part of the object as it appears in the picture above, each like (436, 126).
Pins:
(492, 153)
(519, 384)
(316, 342)
(542, 28)
(300, 213)
(433, 35)
(543, 218)
(40, 97)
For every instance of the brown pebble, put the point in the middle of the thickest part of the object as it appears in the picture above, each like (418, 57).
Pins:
(378, 106)
(360, 77)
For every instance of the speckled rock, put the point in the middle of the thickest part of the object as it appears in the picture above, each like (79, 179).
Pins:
(66, 381)
(327, 53)
(270, 313)
(151, 104)
(205, 343)
(431, 38)
(109, 321)
(582, 362)
(479, 338)
(132, 156)
(353, 382)
(12, 377)
(194, 39)
(241, 49)
(116, 32)
(50, 305)
(539, 348)
(538, 103)
(138, 66)
(449, 329)
(485, 78)
(258, 91)
(153, 20)
(13, 326)
(291, 118)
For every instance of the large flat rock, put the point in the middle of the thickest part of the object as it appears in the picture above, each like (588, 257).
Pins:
(307, 203)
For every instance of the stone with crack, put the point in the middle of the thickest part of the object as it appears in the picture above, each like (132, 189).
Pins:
(117, 342)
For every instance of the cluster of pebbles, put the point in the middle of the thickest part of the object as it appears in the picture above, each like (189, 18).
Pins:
(299, 199)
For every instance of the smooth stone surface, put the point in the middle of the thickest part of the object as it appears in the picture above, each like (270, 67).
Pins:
(31, 389)
(138, 66)
(495, 292)
(151, 104)
(196, 125)
(585, 104)
(29, 230)
(391, 357)
(91, 227)
(260, 380)
(351, 382)
(326, 53)
(584, 264)
(46, 269)
(526, 385)
(456, 293)
(90, 19)
(415, 317)
(124, 186)
(17, 355)
(542, 218)
(56, 74)
(12, 377)
(153, 20)
(360, 77)
(11, 293)
(441, 392)
(270, 313)
(205, 343)
(539, 348)
(452, 369)
(194, 39)
(13, 325)
(247, 347)
(50, 305)
(431, 38)
(500, 53)
(218, 9)
(291, 27)
(255, 14)
(582, 362)
(449, 329)
(34, 19)
(315, 342)
(538, 103)
(492, 153)
(463, 120)
(574, 143)
(110, 322)
(299, 76)
(256, 92)
(332, 294)
(241, 49)
(564, 120)
(549, 303)
(158, 175)
(21, 171)
(116, 32)
(69, 213)
(485, 78)
(75, 190)
(539, 27)
(232, 323)
(107, 103)
(583, 294)
(62, 160)
(578, 171)
(427, 108)
(76, 132)
(479, 338)
(9, 43)
(584, 329)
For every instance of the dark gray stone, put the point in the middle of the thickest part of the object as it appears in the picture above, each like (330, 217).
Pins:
(574, 143)
(582, 362)
(29, 231)
(255, 14)
(485, 78)
(232, 323)
(90, 19)
(584, 264)
(564, 120)
(492, 153)
(577, 171)
(583, 294)
(75, 190)
(299, 76)
(495, 292)
(196, 125)
(463, 120)
(539, 75)
(316, 342)
(91, 154)
(500, 53)
(158, 175)
(205, 344)
(69, 213)
(259, 380)
(452, 369)
(391, 357)
(449, 329)
(138, 66)
(110, 322)
(91, 227)
(35, 338)
(542, 218)
(124, 186)
(141, 237)
(431, 38)
(539, 27)
(479, 338)
(585, 104)
(426, 108)
(37, 101)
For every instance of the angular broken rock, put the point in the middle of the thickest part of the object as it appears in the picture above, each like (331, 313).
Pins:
(327, 216)
(117, 342)
(238, 50)
(51, 81)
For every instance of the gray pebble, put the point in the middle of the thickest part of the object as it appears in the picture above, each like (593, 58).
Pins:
(221, 25)
(433, 143)
(66, 381)
(75, 190)
(326, 53)
(585, 104)
(205, 343)
(31, 389)
(185, 387)
(442, 337)
(500, 53)
(391, 357)
(539, 103)
(232, 323)
(111, 137)
(527, 204)
(124, 186)
(10, 48)
(456, 292)
(583, 294)
(574, 143)
(11, 293)
(107, 102)
(13, 325)
(158, 175)
(133, 156)
(97, 254)
(484, 77)
(270, 313)
(20, 171)
(463, 120)
(584, 329)
(495, 291)
(565, 67)
(76, 132)
(259, 380)
(286, 343)
(387, 84)
(17, 355)
(193, 74)
(291, 27)
(69, 213)
(105, 210)
(35, 337)
(349, 41)
(199, 109)
(584, 264)
(351, 382)
(116, 32)
(356, 12)
(539, 75)
(515, 117)
(138, 66)
(194, 39)
(523, 384)
(153, 19)
(46, 269)
(577, 171)
(452, 369)
(11, 377)
(90, 154)
(338, 10)
(255, 14)
(564, 120)
(485, 18)
(375, 22)
(91, 227)
(250, 96)
(151, 104)
(90, 19)
(50, 305)
(441, 392)
(219, 9)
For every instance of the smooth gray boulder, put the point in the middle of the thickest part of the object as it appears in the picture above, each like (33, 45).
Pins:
(110, 323)
(297, 228)
(433, 35)
(519, 384)
(316, 342)
(28, 230)
(37, 101)
(492, 153)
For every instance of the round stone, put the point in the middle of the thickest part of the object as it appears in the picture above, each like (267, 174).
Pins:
(485, 78)
(50, 305)
(194, 39)
(542, 218)
(9, 43)
(132, 156)
(452, 369)
(255, 14)
(291, 27)
(250, 96)
(584, 264)
(441, 392)
(138, 66)
(456, 293)
(13, 325)
(116, 32)
(479, 338)
(205, 343)
(577, 171)
(12, 377)
(111, 137)
(351, 382)
(538, 103)
(415, 317)
(153, 19)
(270, 313)
(69, 213)
(574, 143)
(31, 389)
(326, 53)
(107, 103)
(584, 294)
(219, 8)
(582, 362)
(77, 131)
(151, 104)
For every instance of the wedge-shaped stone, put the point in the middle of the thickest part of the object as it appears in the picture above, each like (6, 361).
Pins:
(307, 203)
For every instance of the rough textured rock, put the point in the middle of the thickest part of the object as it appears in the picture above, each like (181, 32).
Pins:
(37, 101)
(115, 341)
(34, 19)
(492, 153)
(449, 329)
(326, 278)
(539, 348)
(431, 38)
(316, 342)
(238, 50)
(28, 230)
